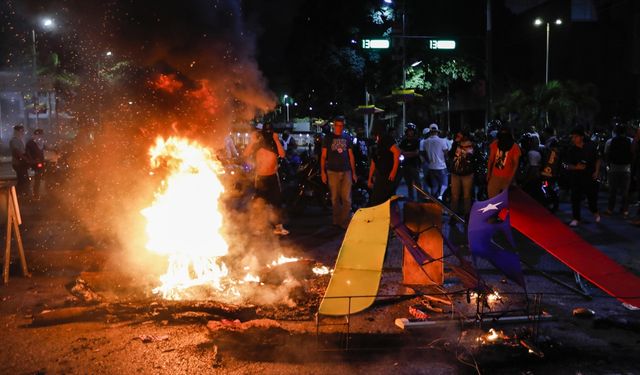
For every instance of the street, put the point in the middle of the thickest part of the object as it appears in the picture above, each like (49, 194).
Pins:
(57, 252)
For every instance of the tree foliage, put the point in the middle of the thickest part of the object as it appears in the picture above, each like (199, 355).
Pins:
(560, 104)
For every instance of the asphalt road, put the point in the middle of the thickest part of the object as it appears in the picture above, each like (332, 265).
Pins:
(58, 249)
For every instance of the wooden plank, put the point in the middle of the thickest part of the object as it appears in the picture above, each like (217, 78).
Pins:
(13, 222)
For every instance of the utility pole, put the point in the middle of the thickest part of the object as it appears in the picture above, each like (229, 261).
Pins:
(36, 100)
(489, 72)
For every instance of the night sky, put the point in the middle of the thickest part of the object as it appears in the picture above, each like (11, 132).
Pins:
(303, 48)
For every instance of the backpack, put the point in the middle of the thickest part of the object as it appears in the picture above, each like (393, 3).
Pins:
(620, 150)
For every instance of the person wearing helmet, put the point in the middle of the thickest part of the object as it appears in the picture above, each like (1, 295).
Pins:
(410, 147)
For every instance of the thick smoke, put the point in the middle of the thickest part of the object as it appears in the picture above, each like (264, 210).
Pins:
(175, 68)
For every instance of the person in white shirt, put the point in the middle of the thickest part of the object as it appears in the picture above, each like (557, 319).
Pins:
(435, 150)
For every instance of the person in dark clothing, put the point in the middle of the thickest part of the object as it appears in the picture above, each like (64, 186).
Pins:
(410, 148)
(384, 166)
(338, 170)
(462, 161)
(35, 155)
(583, 164)
(619, 155)
(19, 161)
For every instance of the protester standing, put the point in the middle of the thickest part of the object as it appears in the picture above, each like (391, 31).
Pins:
(618, 154)
(34, 151)
(463, 161)
(435, 149)
(410, 147)
(338, 169)
(265, 146)
(504, 159)
(19, 161)
(384, 166)
(583, 165)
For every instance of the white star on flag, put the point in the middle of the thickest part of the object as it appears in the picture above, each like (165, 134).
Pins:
(490, 207)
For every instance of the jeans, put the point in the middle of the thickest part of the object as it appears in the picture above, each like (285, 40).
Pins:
(340, 188)
(461, 185)
(411, 176)
(436, 179)
(619, 182)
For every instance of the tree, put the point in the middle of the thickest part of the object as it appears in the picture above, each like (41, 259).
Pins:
(558, 104)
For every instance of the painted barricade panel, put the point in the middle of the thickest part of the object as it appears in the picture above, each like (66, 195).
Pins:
(554, 236)
(359, 264)
(486, 219)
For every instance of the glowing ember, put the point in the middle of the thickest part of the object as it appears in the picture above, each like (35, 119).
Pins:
(283, 259)
(251, 278)
(324, 270)
(492, 337)
(184, 221)
(491, 298)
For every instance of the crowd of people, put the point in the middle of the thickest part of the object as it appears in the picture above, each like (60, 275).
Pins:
(25, 158)
(464, 166)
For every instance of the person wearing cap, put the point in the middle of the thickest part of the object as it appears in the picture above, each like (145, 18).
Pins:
(19, 161)
(338, 170)
(34, 150)
(583, 165)
(385, 162)
(435, 150)
(410, 147)
(503, 163)
(265, 146)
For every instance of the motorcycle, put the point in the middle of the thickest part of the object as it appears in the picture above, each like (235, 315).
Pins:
(311, 190)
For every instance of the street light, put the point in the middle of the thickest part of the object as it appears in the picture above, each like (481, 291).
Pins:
(101, 77)
(539, 22)
(286, 104)
(404, 86)
(47, 23)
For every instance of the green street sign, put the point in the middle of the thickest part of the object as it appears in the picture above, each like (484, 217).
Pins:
(375, 43)
(442, 44)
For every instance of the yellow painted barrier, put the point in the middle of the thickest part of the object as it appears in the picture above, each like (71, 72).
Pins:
(359, 265)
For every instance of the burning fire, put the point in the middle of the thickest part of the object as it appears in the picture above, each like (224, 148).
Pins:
(282, 260)
(184, 221)
(492, 337)
(184, 224)
(167, 82)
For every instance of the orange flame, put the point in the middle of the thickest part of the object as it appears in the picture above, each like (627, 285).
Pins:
(168, 82)
(184, 221)
(205, 95)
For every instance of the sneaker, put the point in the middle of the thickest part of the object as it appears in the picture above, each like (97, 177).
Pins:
(280, 231)
(573, 223)
(597, 216)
